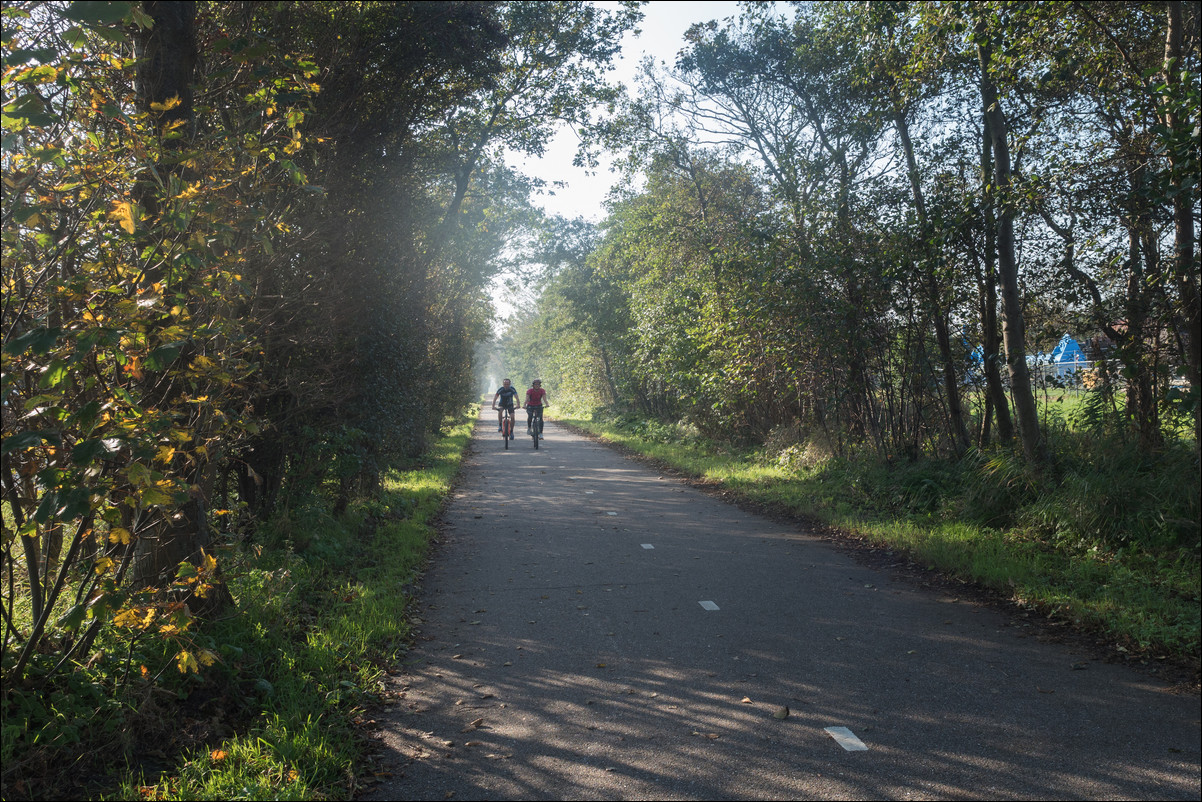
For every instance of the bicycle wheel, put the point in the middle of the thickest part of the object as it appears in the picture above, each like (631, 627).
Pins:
(534, 432)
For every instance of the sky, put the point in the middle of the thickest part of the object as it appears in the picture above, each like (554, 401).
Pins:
(662, 36)
(663, 27)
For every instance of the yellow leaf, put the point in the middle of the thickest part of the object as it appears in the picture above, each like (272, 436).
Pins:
(126, 618)
(153, 498)
(186, 662)
(217, 755)
(126, 215)
(120, 535)
(165, 454)
(207, 657)
(103, 565)
(166, 105)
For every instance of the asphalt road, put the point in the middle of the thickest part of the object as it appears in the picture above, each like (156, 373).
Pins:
(592, 629)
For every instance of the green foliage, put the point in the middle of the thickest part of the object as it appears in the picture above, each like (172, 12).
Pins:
(127, 366)
(293, 671)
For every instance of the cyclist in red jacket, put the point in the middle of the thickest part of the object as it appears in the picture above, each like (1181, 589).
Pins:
(536, 399)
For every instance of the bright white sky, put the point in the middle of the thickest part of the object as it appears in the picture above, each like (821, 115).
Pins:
(663, 27)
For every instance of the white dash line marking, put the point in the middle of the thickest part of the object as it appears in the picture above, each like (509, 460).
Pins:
(847, 739)
(611, 513)
(648, 546)
(709, 605)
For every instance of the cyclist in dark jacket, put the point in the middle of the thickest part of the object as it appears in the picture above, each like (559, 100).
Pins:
(509, 397)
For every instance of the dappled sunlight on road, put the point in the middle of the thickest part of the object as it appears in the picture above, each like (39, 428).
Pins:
(592, 630)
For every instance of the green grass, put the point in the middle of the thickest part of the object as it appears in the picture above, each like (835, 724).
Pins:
(321, 611)
(316, 632)
(1110, 545)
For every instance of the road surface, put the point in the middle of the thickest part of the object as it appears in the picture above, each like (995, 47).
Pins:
(592, 629)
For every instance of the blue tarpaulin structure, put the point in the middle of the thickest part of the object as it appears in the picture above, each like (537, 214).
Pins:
(1067, 356)
(1068, 350)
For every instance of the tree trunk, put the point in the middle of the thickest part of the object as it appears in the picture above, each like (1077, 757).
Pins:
(1184, 271)
(991, 346)
(951, 385)
(1013, 326)
(167, 56)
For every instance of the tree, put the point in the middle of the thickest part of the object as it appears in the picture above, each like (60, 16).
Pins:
(126, 219)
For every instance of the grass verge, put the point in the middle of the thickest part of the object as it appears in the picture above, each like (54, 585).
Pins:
(318, 623)
(1138, 602)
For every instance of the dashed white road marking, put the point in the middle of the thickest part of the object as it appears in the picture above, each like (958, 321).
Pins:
(847, 739)
(648, 546)
(709, 605)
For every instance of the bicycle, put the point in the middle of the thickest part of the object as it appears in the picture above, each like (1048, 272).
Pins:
(507, 425)
(535, 426)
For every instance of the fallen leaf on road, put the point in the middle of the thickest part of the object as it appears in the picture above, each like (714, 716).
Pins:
(746, 700)
(781, 714)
